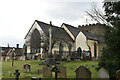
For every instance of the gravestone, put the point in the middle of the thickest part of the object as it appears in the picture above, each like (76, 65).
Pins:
(77, 59)
(103, 73)
(58, 57)
(118, 74)
(26, 68)
(39, 57)
(74, 55)
(68, 58)
(39, 71)
(56, 70)
(63, 72)
(17, 74)
(83, 72)
(44, 56)
(47, 72)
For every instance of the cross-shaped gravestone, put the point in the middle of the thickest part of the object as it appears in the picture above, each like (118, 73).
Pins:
(56, 70)
(16, 74)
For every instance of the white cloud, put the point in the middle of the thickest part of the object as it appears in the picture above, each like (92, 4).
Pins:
(17, 16)
(67, 11)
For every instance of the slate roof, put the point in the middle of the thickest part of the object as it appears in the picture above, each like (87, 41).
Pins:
(5, 50)
(18, 51)
(75, 31)
(72, 29)
(101, 39)
(57, 32)
(93, 36)
(60, 33)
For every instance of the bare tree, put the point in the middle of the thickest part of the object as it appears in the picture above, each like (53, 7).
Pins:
(36, 40)
(40, 40)
(98, 15)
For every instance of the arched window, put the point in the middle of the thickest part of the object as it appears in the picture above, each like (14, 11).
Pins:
(61, 48)
(79, 52)
(35, 41)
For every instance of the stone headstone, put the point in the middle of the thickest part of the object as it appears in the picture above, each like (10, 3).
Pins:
(26, 68)
(44, 56)
(74, 55)
(68, 58)
(77, 59)
(118, 74)
(58, 57)
(40, 71)
(103, 73)
(63, 72)
(47, 72)
(39, 57)
(83, 72)
(49, 61)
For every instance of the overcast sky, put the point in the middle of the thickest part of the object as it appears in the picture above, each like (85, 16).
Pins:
(17, 16)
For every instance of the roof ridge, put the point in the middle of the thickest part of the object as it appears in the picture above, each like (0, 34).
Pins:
(70, 25)
(41, 22)
(90, 25)
(74, 30)
(45, 23)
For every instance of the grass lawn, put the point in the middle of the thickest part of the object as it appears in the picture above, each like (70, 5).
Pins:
(8, 70)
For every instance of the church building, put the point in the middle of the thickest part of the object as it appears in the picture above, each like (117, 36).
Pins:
(66, 40)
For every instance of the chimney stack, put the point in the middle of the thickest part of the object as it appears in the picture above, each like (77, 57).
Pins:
(17, 45)
(8, 45)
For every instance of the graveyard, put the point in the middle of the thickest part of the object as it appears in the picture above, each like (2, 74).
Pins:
(60, 40)
(36, 69)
